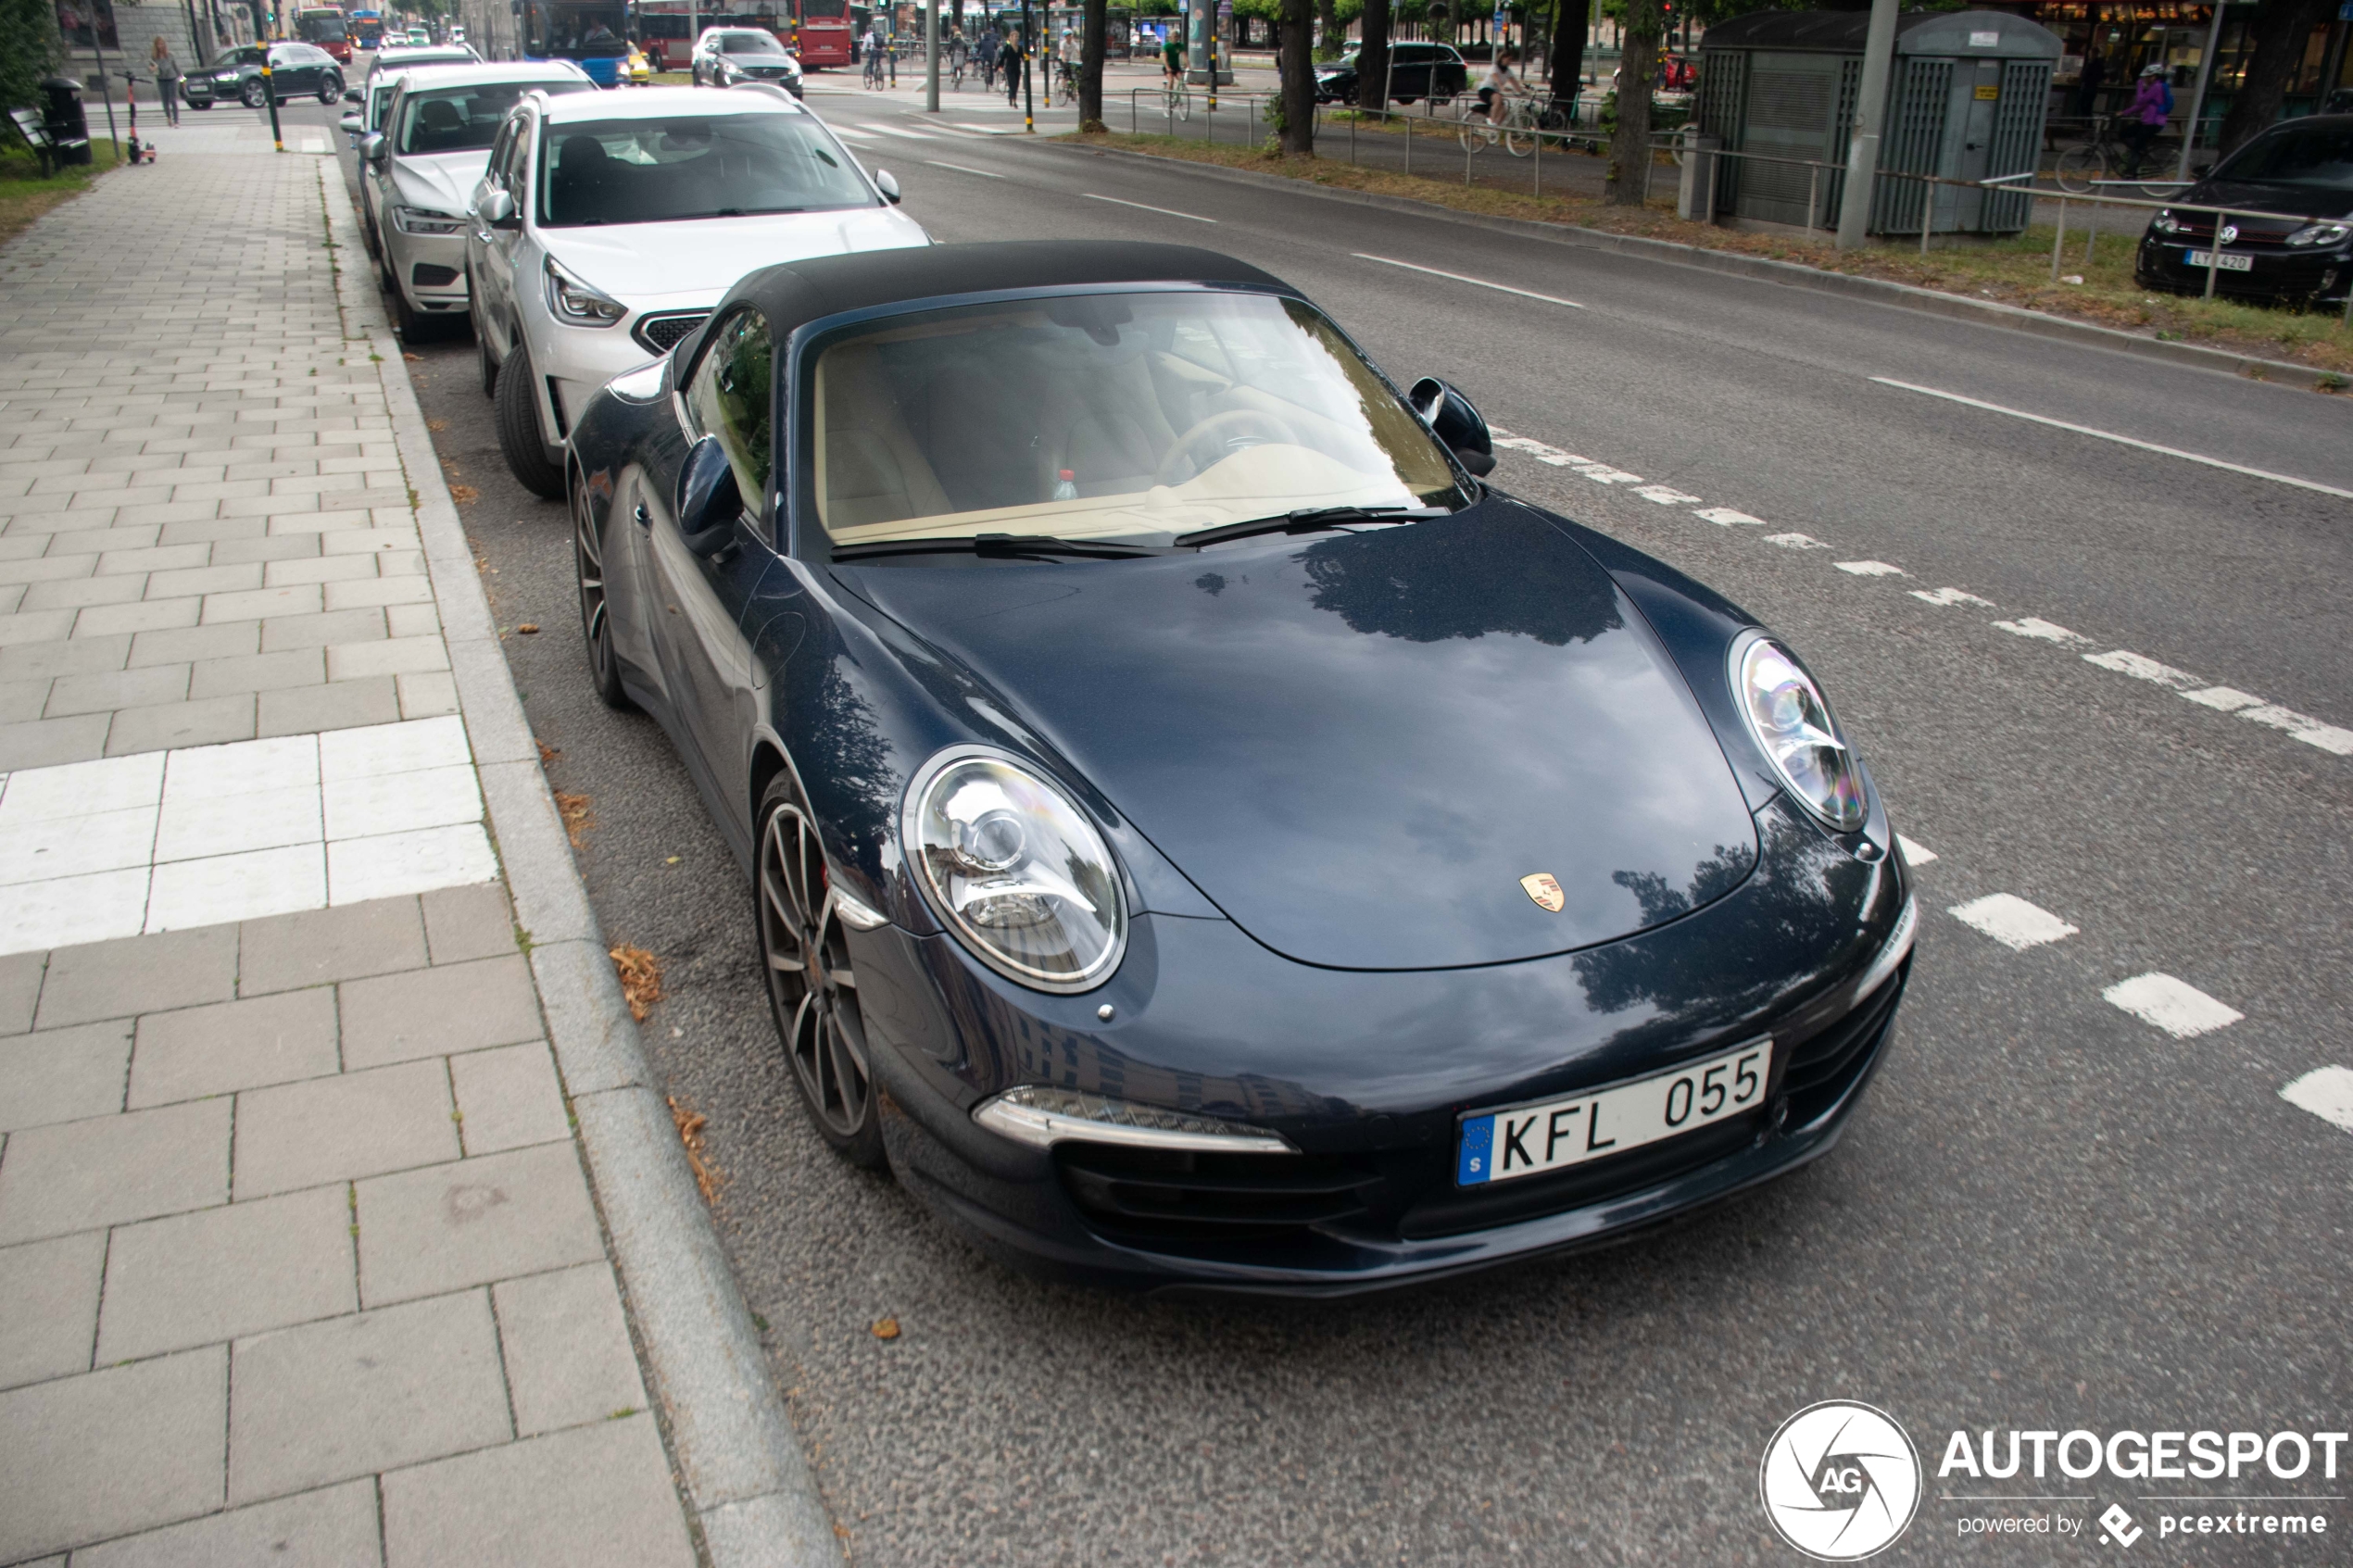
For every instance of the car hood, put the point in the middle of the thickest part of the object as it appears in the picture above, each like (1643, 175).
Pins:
(1357, 746)
(2250, 196)
(704, 256)
(443, 181)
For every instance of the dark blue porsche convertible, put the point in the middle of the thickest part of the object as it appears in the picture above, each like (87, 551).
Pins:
(1199, 834)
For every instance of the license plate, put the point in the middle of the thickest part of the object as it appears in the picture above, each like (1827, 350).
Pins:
(2229, 263)
(1502, 1146)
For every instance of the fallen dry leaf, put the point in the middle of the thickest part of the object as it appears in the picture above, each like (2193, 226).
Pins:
(640, 974)
(547, 753)
(414, 359)
(690, 1124)
(886, 1329)
(436, 426)
(529, 628)
(578, 819)
(464, 494)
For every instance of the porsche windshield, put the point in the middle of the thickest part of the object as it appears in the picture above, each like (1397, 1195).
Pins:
(693, 165)
(1129, 417)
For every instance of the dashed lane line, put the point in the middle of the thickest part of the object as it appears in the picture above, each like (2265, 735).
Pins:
(2175, 1006)
(962, 170)
(1140, 207)
(1475, 282)
(2012, 921)
(1916, 854)
(2327, 1092)
(2120, 440)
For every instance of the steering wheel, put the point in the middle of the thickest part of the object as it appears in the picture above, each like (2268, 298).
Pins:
(1217, 424)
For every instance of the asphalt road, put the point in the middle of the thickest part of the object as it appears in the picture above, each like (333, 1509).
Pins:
(2049, 1215)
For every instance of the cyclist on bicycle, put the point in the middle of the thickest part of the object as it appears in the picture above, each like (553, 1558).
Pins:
(1172, 60)
(875, 45)
(1503, 84)
(2152, 105)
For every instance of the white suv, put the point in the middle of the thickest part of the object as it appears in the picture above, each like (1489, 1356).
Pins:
(606, 229)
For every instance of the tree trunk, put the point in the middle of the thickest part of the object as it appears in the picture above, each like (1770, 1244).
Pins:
(2280, 29)
(1335, 36)
(1295, 59)
(1569, 20)
(1090, 68)
(1629, 149)
(1372, 57)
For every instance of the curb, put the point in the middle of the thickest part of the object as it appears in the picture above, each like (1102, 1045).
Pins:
(739, 1460)
(1790, 274)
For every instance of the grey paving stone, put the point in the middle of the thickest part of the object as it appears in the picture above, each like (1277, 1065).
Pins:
(352, 1124)
(338, 705)
(286, 951)
(370, 1392)
(219, 1274)
(112, 1451)
(258, 673)
(437, 1011)
(65, 1075)
(209, 722)
(188, 643)
(135, 974)
(507, 1097)
(44, 743)
(49, 1302)
(449, 1226)
(46, 659)
(460, 923)
(21, 701)
(593, 1495)
(79, 1175)
(334, 1527)
(232, 1045)
(569, 1359)
(19, 988)
(323, 630)
(152, 684)
(149, 615)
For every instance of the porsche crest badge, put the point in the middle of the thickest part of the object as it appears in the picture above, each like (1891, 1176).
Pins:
(1545, 889)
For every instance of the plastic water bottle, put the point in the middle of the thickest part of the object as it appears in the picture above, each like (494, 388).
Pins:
(1066, 487)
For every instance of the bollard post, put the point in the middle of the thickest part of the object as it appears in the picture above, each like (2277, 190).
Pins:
(2091, 234)
(1813, 193)
(1536, 181)
(2059, 240)
(270, 96)
(1409, 144)
(2214, 253)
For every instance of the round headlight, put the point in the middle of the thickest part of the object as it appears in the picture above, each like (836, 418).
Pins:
(1018, 873)
(1791, 720)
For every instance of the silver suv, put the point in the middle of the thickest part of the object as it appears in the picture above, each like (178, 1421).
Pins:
(607, 227)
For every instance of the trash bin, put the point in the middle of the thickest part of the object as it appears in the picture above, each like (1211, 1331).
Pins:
(61, 113)
(1965, 101)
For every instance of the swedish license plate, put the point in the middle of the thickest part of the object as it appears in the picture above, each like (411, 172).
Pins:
(1502, 1146)
(2229, 263)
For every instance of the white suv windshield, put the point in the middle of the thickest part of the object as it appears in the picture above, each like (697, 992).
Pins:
(1131, 416)
(701, 165)
(461, 119)
(750, 43)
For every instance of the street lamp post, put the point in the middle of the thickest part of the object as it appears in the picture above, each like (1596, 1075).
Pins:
(931, 54)
(1862, 154)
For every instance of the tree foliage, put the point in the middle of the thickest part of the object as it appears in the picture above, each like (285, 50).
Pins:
(28, 50)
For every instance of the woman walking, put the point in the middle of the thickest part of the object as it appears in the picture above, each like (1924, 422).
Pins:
(166, 71)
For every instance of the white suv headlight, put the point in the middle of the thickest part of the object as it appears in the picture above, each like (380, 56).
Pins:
(423, 220)
(1016, 869)
(579, 304)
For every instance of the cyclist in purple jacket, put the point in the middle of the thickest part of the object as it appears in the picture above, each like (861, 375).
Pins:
(2152, 103)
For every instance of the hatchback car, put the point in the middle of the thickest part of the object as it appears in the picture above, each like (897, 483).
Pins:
(1196, 833)
(727, 56)
(421, 172)
(2301, 170)
(1415, 71)
(296, 70)
(606, 227)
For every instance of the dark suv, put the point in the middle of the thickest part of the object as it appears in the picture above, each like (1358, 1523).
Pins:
(1415, 71)
(2302, 170)
(296, 70)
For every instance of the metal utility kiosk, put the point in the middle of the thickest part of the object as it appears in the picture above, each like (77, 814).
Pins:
(1967, 101)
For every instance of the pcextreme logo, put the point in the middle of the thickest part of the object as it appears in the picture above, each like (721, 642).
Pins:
(1840, 1481)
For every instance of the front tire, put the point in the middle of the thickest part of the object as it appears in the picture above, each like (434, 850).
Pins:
(519, 427)
(2077, 168)
(596, 619)
(330, 90)
(255, 95)
(812, 990)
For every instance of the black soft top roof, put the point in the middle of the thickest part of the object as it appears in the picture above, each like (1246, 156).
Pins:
(797, 291)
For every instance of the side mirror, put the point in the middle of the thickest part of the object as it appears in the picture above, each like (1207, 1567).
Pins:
(351, 96)
(374, 149)
(497, 209)
(708, 502)
(350, 123)
(1451, 419)
(888, 183)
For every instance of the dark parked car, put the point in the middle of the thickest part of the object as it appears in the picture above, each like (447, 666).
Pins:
(728, 56)
(1197, 833)
(1416, 71)
(2303, 171)
(296, 70)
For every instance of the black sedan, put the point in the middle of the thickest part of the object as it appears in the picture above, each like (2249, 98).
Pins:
(1197, 833)
(2301, 170)
(733, 55)
(296, 70)
(1414, 72)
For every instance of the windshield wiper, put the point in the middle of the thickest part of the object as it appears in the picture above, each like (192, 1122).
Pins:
(994, 545)
(1308, 520)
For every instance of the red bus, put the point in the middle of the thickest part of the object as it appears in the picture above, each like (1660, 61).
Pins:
(817, 30)
(323, 25)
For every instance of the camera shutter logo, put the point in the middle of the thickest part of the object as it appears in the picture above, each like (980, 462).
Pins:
(1840, 1481)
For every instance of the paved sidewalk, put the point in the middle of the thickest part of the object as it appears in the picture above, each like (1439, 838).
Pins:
(299, 1261)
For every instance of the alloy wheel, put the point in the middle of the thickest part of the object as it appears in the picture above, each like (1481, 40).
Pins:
(596, 620)
(811, 983)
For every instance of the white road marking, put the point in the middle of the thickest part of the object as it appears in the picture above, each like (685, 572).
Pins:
(1869, 568)
(989, 130)
(1540, 451)
(1915, 854)
(2273, 716)
(2141, 669)
(2120, 440)
(311, 144)
(1475, 282)
(911, 135)
(962, 170)
(2327, 1092)
(2222, 699)
(2328, 737)
(2178, 1007)
(1950, 596)
(2011, 921)
(1795, 540)
(1726, 517)
(1164, 212)
(1601, 473)
(2042, 631)
(1664, 497)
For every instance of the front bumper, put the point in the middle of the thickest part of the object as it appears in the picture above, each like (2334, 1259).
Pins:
(2277, 271)
(575, 361)
(430, 267)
